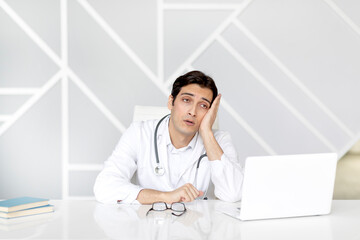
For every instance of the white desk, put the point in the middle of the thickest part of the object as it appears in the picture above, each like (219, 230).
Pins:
(91, 220)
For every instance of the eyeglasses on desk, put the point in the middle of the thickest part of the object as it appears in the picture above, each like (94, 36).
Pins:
(178, 208)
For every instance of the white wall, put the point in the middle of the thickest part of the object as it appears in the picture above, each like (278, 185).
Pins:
(72, 71)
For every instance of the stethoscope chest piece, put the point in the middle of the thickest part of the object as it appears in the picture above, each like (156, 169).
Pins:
(159, 171)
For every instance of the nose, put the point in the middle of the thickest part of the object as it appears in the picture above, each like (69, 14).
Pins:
(192, 110)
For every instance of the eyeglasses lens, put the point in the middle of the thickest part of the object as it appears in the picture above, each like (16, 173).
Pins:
(159, 206)
(179, 207)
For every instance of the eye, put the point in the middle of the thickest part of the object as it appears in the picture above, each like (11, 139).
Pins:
(204, 106)
(186, 100)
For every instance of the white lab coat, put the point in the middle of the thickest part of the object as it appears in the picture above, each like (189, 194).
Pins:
(136, 152)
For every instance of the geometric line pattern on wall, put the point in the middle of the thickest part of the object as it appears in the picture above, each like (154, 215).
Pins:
(274, 92)
(209, 40)
(65, 74)
(292, 77)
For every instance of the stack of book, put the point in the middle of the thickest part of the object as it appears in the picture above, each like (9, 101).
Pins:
(24, 206)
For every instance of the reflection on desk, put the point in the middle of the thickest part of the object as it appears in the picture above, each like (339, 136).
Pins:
(130, 221)
(203, 220)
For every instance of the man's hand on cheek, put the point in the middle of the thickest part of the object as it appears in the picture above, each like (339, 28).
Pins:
(210, 116)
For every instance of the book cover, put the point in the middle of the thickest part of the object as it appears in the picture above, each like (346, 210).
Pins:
(27, 212)
(16, 204)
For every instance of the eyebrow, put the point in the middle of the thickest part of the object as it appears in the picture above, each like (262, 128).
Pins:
(190, 94)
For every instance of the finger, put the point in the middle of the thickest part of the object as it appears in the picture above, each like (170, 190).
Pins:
(216, 102)
(185, 195)
(193, 190)
(190, 194)
(217, 99)
(201, 193)
(195, 193)
(198, 193)
(214, 107)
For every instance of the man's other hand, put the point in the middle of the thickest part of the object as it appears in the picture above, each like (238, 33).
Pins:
(185, 193)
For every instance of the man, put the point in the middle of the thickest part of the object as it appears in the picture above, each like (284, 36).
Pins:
(181, 139)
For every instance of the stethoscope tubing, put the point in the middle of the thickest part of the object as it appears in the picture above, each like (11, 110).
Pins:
(155, 140)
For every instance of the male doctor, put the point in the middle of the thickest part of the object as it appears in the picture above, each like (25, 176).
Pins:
(181, 174)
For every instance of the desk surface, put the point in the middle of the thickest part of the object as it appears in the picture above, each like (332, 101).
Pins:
(91, 220)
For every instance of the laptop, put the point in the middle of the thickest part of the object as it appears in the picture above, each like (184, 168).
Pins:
(287, 186)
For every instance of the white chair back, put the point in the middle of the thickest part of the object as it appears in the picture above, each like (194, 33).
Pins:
(143, 113)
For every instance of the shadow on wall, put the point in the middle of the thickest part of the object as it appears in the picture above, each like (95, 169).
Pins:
(347, 182)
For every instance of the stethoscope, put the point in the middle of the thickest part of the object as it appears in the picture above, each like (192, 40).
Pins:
(159, 170)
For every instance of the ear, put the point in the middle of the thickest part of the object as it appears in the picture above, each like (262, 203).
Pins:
(170, 102)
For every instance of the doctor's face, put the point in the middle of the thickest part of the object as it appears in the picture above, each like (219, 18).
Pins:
(189, 108)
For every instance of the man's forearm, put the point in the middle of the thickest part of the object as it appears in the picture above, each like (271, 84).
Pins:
(185, 193)
(149, 196)
(213, 149)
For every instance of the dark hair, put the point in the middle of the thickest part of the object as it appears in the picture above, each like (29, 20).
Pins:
(194, 77)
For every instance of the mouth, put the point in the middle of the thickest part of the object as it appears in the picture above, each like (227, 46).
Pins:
(189, 123)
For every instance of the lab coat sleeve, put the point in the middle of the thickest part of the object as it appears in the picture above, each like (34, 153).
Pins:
(113, 182)
(227, 173)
